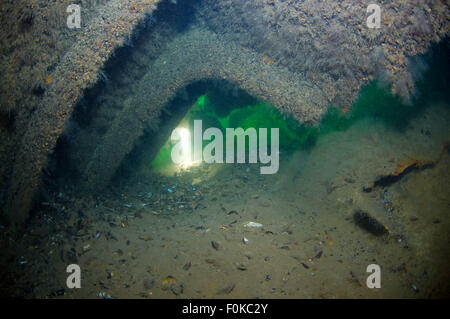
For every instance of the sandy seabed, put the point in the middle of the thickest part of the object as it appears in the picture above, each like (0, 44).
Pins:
(184, 237)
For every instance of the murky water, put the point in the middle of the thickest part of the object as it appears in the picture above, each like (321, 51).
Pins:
(365, 187)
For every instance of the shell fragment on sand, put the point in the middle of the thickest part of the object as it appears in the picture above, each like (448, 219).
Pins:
(253, 225)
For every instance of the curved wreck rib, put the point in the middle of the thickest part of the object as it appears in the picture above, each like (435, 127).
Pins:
(193, 56)
(319, 53)
(77, 70)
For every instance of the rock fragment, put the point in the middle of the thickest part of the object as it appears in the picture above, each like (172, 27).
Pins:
(369, 223)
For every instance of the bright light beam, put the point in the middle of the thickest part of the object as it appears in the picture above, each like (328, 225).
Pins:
(181, 152)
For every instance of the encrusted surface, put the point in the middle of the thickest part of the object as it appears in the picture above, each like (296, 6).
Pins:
(300, 56)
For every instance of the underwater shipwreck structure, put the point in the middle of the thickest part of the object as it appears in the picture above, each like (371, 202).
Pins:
(301, 56)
